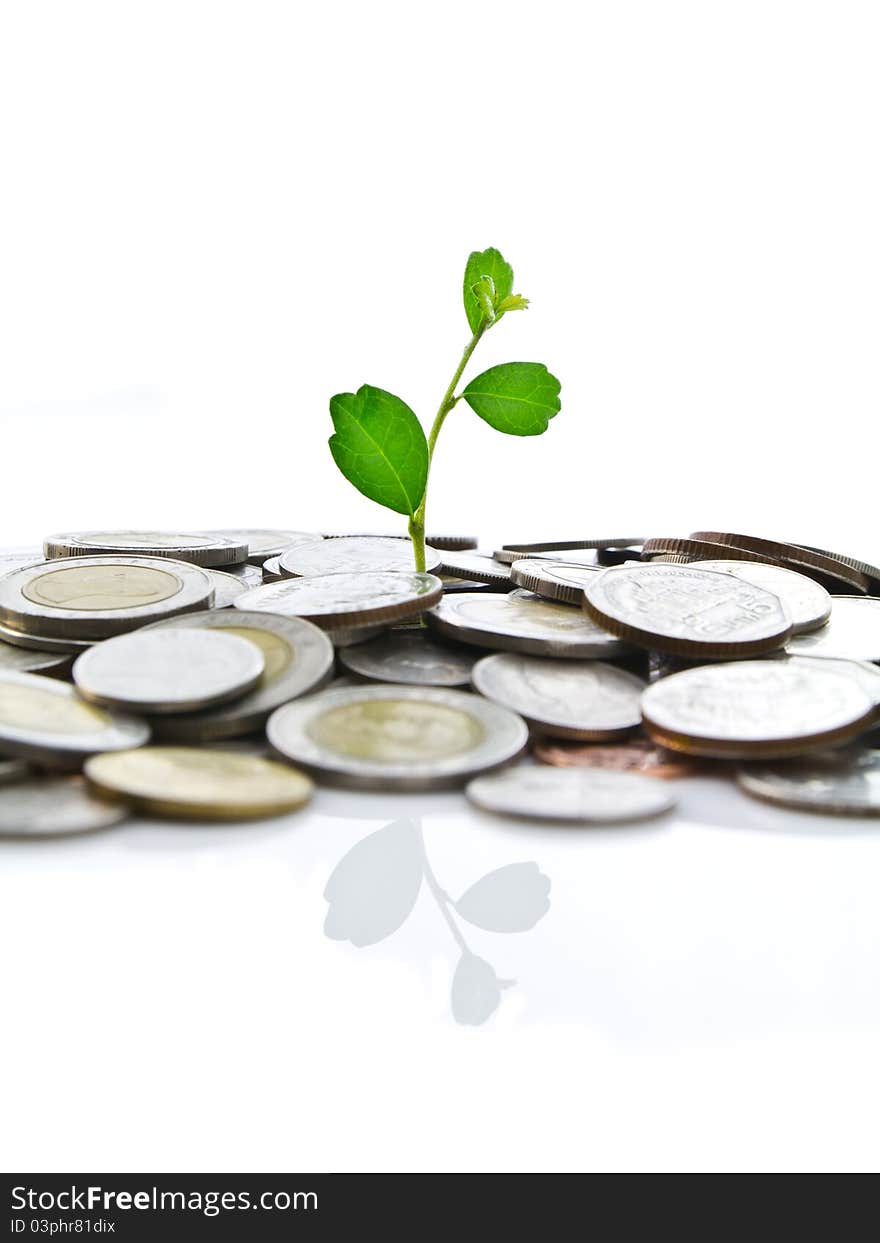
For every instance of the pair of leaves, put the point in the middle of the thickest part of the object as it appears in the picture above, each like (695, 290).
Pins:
(380, 447)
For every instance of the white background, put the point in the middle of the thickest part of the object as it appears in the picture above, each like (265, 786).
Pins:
(214, 216)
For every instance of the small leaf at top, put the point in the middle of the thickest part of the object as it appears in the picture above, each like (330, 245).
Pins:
(380, 447)
(517, 398)
(485, 263)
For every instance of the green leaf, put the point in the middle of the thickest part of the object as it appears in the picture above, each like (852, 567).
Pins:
(485, 263)
(517, 398)
(380, 447)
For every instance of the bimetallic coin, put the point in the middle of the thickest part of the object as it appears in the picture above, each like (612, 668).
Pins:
(795, 557)
(480, 566)
(396, 737)
(226, 588)
(47, 722)
(807, 602)
(94, 597)
(638, 755)
(410, 657)
(298, 658)
(852, 632)
(764, 708)
(588, 796)
(197, 547)
(687, 611)
(54, 807)
(262, 544)
(563, 698)
(353, 554)
(844, 782)
(192, 783)
(169, 670)
(347, 600)
(554, 580)
(536, 627)
(13, 770)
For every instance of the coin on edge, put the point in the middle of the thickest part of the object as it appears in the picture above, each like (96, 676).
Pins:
(173, 670)
(298, 658)
(563, 698)
(852, 632)
(807, 602)
(54, 807)
(262, 544)
(396, 737)
(537, 627)
(95, 597)
(197, 547)
(411, 657)
(586, 795)
(554, 580)
(46, 721)
(196, 783)
(844, 782)
(686, 611)
(353, 554)
(347, 599)
(763, 708)
(480, 566)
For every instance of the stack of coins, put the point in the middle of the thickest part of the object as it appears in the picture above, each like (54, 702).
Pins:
(190, 674)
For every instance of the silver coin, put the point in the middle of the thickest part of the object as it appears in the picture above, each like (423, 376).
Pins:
(54, 807)
(477, 565)
(586, 556)
(13, 770)
(743, 709)
(410, 657)
(159, 671)
(349, 636)
(262, 543)
(560, 546)
(47, 722)
(554, 580)
(396, 737)
(94, 597)
(861, 671)
(539, 627)
(852, 632)
(197, 547)
(353, 554)
(272, 571)
(30, 660)
(585, 795)
(587, 700)
(250, 575)
(452, 583)
(687, 611)
(347, 599)
(843, 782)
(10, 560)
(43, 643)
(227, 588)
(807, 602)
(298, 658)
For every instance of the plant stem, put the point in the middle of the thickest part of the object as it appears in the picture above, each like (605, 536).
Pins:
(417, 521)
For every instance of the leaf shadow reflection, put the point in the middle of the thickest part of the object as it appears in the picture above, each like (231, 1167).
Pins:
(373, 890)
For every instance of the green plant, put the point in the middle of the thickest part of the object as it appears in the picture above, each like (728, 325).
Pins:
(378, 443)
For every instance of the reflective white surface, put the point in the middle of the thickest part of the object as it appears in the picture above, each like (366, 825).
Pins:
(695, 991)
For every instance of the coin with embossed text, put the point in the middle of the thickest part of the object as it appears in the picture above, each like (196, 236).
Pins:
(807, 602)
(411, 657)
(537, 627)
(396, 737)
(764, 708)
(585, 795)
(563, 698)
(687, 611)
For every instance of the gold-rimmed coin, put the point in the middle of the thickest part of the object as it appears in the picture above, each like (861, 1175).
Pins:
(193, 783)
(95, 597)
(685, 611)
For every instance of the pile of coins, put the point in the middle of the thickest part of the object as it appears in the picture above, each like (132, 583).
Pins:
(191, 675)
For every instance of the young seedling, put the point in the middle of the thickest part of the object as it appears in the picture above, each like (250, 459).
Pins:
(378, 443)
